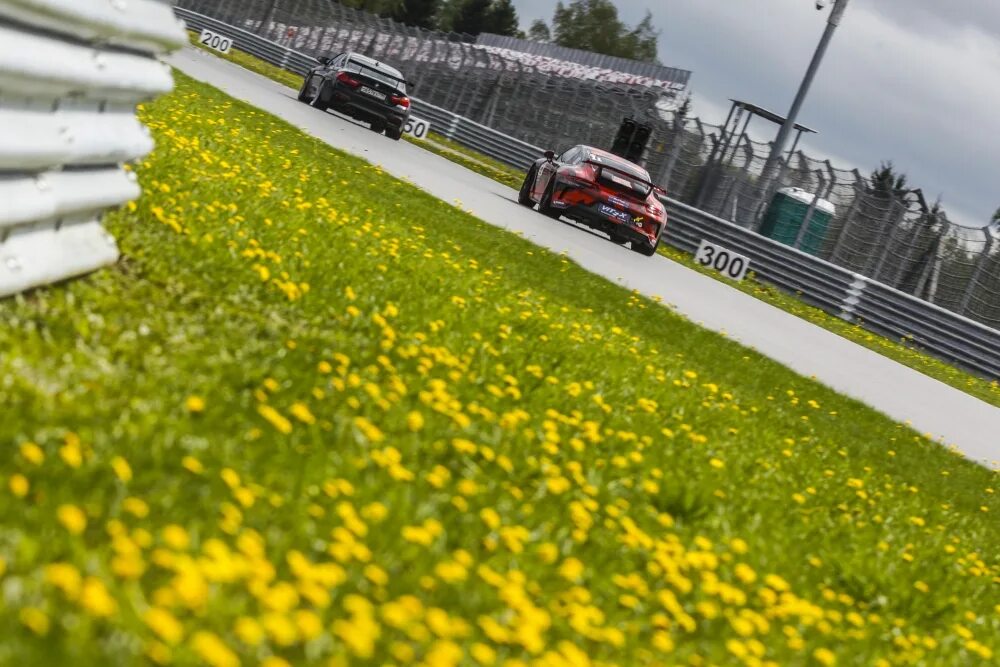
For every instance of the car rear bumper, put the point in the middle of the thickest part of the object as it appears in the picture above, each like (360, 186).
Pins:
(354, 104)
(590, 216)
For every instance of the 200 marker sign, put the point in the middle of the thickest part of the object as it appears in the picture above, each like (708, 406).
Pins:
(214, 40)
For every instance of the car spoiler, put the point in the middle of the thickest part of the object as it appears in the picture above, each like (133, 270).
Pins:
(603, 166)
(377, 71)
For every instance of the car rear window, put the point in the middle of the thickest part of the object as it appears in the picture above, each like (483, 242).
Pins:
(620, 165)
(373, 73)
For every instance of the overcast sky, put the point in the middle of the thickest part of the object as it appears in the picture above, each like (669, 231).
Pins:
(912, 81)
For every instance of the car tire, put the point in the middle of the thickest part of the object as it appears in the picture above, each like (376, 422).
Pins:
(615, 238)
(394, 133)
(377, 127)
(647, 249)
(304, 90)
(317, 100)
(545, 206)
(524, 194)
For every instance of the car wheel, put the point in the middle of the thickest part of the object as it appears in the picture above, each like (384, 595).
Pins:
(317, 96)
(647, 249)
(394, 133)
(545, 206)
(615, 238)
(524, 194)
(304, 90)
(377, 127)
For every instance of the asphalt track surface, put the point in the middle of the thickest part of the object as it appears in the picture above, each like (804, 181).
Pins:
(905, 395)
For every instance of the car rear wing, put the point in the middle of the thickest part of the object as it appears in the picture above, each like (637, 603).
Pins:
(623, 178)
(379, 74)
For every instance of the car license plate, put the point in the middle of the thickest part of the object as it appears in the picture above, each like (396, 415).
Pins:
(614, 214)
(373, 93)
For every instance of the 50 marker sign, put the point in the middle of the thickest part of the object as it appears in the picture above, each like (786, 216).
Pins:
(726, 262)
(214, 40)
(418, 128)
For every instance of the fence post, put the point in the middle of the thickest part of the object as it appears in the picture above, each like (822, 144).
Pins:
(890, 227)
(677, 141)
(976, 273)
(847, 222)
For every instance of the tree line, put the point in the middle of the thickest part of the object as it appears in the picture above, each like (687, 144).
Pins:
(590, 25)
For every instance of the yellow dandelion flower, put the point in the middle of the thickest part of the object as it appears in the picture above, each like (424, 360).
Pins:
(276, 419)
(213, 650)
(137, 507)
(571, 569)
(65, 577)
(32, 453)
(71, 453)
(483, 654)
(164, 625)
(301, 412)
(35, 620)
(248, 631)
(72, 518)
(176, 537)
(414, 421)
(191, 464)
(194, 404)
(122, 469)
(309, 624)
(95, 598)
(825, 657)
(19, 485)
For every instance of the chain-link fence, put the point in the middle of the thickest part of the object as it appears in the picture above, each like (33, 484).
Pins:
(556, 98)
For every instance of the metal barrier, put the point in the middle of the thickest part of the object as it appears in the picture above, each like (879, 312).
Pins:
(850, 296)
(71, 73)
(834, 289)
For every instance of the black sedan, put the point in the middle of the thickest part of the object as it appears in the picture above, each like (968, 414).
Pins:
(362, 88)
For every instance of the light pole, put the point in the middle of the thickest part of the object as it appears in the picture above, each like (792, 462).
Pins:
(786, 129)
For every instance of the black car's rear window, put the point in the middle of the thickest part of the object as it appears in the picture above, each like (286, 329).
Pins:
(386, 77)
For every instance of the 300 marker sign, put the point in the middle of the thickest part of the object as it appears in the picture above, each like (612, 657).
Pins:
(726, 262)
(214, 40)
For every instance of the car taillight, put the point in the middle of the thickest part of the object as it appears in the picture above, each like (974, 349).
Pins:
(400, 101)
(348, 80)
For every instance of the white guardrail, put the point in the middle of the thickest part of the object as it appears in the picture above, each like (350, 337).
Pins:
(71, 74)
(848, 295)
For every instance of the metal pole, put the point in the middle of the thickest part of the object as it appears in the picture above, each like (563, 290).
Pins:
(786, 129)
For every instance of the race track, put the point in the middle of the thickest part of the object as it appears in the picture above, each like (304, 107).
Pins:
(903, 394)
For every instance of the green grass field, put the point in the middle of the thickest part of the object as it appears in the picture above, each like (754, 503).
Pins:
(315, 416)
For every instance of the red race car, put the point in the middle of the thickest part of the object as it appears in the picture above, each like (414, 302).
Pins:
(600, 190)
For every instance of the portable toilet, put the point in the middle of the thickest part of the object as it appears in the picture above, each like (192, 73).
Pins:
(788, 210)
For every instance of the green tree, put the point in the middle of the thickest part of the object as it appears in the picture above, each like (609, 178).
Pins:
(886, 183)
(469, 16)
(996, 217)
(503, 18)
(539, 32)
(594, 25)
(383, 7)
(422, 13)
(475, 16)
